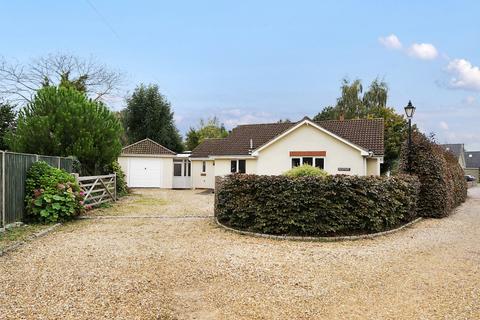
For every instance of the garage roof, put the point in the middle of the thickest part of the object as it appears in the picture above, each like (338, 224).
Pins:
(147, 147)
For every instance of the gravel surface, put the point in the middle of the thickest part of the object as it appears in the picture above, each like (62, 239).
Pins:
(192, 269)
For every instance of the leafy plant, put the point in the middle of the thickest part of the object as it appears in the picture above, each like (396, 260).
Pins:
(316, 206)
(52, 194)
(306, 171)
(122, 188)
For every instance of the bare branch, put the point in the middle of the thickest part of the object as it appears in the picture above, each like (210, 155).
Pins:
(19, 82)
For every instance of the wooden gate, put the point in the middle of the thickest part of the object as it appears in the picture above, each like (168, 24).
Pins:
(98, 189)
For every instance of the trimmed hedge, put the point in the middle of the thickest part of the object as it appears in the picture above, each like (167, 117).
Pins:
(443, 185)
(316, 206)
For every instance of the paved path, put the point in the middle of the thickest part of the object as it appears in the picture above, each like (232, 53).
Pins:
(191, 269)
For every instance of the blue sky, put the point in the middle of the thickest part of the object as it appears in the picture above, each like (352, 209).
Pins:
(259, 61)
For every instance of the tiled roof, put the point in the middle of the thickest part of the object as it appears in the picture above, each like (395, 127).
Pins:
(455, 148)
(472, 159)
(365, 133)
(147, 147)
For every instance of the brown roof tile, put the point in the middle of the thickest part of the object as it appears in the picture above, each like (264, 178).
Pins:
(365, 133)
(147, 146)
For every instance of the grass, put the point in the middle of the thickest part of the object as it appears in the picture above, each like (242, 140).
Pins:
(18, 234)
(149, 201)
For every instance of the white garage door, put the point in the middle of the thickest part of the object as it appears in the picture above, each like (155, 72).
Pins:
(145, 173)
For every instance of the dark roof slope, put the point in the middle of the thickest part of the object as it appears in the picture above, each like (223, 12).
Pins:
(455, 148)
(472, 159)
(366, 133)
(147, 146)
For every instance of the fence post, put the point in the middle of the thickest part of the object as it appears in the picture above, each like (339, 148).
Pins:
(3, 189)
(115, 186)
(58, 162)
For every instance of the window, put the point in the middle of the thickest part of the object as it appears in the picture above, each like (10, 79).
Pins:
(177, 169)
(241, 166)
(318, 162)
(204, 166)
(296, 162)
(238, 166)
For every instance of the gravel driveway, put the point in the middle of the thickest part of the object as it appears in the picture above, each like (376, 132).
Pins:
(144, 268)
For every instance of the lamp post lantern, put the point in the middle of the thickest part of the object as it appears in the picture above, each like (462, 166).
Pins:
(409, 111)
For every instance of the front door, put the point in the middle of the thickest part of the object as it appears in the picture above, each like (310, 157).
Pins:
(182, 172)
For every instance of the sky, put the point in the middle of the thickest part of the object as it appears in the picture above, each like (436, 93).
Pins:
(261, 61)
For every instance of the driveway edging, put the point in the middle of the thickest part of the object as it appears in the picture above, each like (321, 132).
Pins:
(318, 239)
(36, 235)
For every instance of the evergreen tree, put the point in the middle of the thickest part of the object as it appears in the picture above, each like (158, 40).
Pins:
(148, 115)
(61, 121)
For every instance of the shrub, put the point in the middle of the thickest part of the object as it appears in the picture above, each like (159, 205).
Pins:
(51, 194)
(443, 185)
(316, 206)
(122, 188)
(306, 171)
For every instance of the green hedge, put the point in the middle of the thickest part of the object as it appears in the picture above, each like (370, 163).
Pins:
(443, 185)
(316, 206)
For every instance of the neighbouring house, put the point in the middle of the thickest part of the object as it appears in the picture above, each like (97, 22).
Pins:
(472, 162)
(352, 147)
(458, 150)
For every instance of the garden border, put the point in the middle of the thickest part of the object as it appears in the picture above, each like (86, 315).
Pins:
(318, 239)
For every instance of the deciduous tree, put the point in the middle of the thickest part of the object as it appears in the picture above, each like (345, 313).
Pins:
(211, 128)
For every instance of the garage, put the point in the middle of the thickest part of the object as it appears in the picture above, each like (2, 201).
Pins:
(147, 164)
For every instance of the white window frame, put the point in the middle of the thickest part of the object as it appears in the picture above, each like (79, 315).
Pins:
(314, 158)
(204, 166)
(238, 165)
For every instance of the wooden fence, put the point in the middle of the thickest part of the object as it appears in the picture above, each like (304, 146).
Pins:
(98, 189)
(13, 173)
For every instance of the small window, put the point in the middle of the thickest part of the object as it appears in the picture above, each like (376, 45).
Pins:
(204, 166)
(177, 169)
(241, 166)
(308, 160)
(233, 166)
(295, 162)
(320, 163)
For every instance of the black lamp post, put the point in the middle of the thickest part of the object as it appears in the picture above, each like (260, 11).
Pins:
(409, 111)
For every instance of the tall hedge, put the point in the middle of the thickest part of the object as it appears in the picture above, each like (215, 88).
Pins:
(316, 206)
(443, 185)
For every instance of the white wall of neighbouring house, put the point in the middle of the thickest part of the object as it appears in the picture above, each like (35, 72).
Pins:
(200, 179)
(275, 159)
(163, 166)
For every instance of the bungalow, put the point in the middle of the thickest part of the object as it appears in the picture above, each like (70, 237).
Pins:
(353, 147)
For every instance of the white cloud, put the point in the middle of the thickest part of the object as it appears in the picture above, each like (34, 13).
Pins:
(443, 125)
(469, 100)
(390, 42)
(424, 51)
(234, 117)
(464, 75)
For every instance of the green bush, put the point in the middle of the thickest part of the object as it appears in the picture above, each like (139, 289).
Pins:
(122, 188)
(306, 171)
(51, 194)
(316, 206)
(443, 185)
